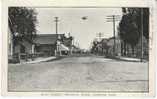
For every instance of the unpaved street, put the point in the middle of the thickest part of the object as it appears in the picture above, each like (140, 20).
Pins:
(79, 74)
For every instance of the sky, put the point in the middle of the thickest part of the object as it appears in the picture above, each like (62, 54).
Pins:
(70, 21)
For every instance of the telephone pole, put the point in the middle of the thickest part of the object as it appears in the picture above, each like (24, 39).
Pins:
(100, 35)
(57, 46)
(56, 20)
(113, 19)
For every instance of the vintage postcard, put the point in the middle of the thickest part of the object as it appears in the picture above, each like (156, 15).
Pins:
(79, 48)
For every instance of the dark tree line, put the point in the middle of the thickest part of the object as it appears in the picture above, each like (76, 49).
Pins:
(22, 23)
(130, 26)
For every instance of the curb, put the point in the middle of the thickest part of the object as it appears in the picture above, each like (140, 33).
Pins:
(120, 59)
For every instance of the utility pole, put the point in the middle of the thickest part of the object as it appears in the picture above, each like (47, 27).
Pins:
(112, 19)
(100, 35)
(57, 46)
(56, 20)
(141, 34)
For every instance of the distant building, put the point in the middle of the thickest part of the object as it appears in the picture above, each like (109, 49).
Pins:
(111, 45)
(47, 44)
(126, 50)
(105, 47)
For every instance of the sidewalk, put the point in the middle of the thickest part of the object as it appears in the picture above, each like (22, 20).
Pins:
(41, 59)
(130, 59)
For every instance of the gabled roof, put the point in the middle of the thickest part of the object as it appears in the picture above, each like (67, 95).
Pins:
(47, 38)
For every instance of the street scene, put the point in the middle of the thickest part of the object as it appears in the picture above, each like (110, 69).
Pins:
(78, 49)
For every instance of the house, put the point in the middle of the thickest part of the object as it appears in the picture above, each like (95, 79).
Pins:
(104, 46)
(112, 45)
(45, 44)
(51, 44)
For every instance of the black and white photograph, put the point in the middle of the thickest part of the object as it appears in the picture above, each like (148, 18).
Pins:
(78, 49)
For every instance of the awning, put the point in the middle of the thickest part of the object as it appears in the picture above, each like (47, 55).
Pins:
(63, 47)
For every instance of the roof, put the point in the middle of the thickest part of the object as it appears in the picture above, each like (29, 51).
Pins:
(47, 38)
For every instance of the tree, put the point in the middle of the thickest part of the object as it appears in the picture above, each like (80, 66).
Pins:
(105, 46)
(145, 21)
(130, 25)
(22, 23)
(94, 47)
(137, 13)
(129, 31)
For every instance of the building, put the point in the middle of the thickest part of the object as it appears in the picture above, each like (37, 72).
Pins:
(104, 47)
(45, 44)
(52, 44)
(111, 45)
